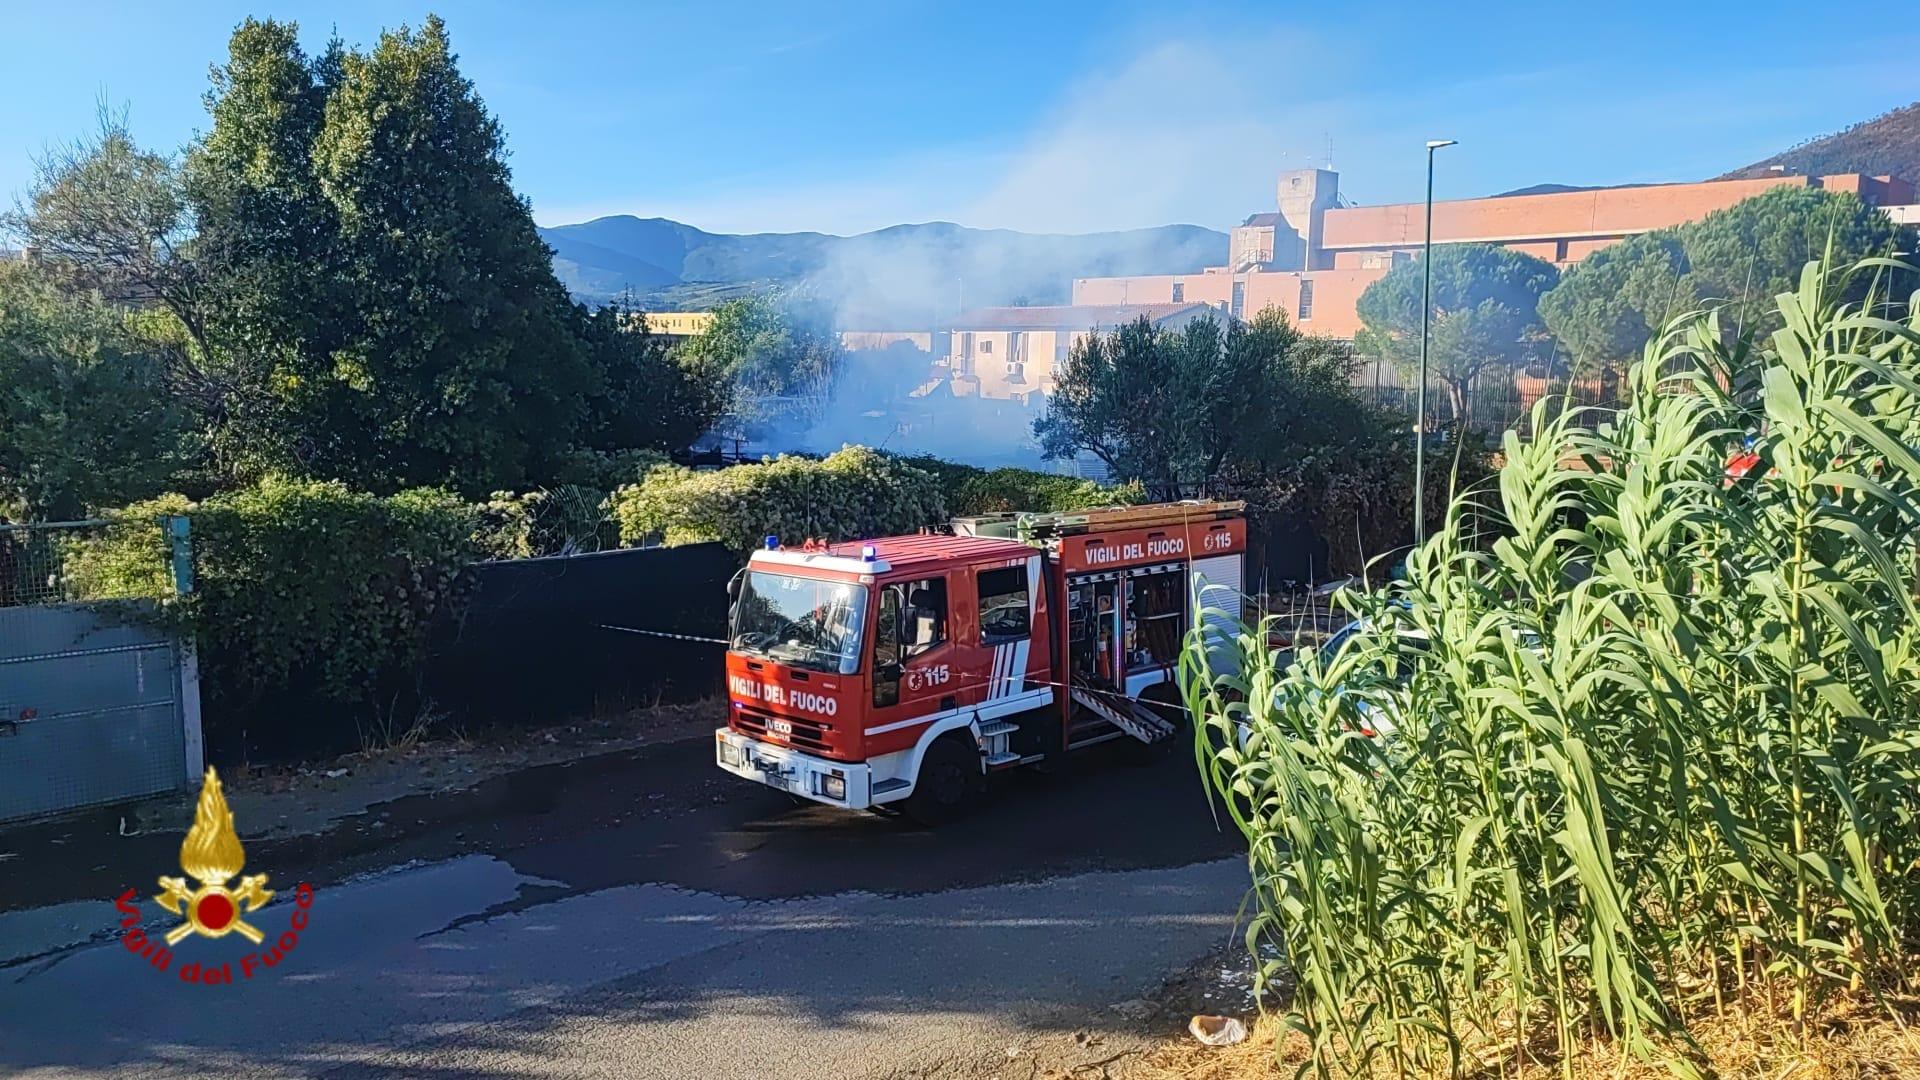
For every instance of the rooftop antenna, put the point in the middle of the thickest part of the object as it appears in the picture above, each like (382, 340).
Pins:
(1329, 136)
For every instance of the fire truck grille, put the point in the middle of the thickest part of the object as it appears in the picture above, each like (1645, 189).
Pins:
(787, 730)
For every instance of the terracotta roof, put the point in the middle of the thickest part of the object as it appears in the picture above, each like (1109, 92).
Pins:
(1070, 317)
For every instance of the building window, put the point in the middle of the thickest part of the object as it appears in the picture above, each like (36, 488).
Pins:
(1005, 611)
(1239, 297)
(913, 619)
(1179, 292)
(1306, 299)
(1560, 251)
(986, 346)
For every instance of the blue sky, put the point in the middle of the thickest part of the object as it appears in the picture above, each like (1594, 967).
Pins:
(750, 115)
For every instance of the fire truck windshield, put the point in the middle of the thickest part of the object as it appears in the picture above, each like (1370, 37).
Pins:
(806, 622)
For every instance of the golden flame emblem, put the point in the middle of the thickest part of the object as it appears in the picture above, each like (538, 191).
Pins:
(212, 855)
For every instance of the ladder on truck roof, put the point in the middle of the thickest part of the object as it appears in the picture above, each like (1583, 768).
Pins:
(1030, 526)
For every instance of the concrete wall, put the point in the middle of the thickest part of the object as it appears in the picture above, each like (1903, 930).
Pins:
(1252, 245)
(1215, 289)
(1541, 220)
(1016, 365)
(1334, 293)
(1369, 259)
(1005, 365)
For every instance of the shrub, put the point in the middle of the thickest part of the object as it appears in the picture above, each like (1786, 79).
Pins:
(1003, 490)
(1651, 756)
(131, 558)
(853, 493)
(566, 520)
(972, 490)
(605, 469)
(303, 589)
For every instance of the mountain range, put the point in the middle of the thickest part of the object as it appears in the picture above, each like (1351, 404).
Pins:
(908, 275)
(1887, 144)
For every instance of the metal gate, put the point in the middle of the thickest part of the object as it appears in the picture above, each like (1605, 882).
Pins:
(97, 703)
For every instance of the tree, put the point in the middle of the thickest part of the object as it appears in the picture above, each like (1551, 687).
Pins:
(1486, 302)
(344, 284)
(646, 394)
(1305, 396)
(103, 214)
(1126, 398)
(1751, 252)
(1171, 408)
(105, 217)
(396, 288)
(1258, 410)
(1610, 304)
(85, 418)
(780, 354)
(1607, 306)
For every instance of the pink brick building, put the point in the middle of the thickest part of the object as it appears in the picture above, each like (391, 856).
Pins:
(1312, 257)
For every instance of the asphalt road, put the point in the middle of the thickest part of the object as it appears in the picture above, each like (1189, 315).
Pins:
(639, 914)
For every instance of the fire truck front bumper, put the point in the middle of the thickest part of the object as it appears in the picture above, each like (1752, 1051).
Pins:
(835, 783)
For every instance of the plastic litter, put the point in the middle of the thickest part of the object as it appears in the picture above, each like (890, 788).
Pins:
(1217, 1030)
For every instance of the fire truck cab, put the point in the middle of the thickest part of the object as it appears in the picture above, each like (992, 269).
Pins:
(904, 670)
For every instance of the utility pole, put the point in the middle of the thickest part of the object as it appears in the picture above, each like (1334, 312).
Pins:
(1420, 394)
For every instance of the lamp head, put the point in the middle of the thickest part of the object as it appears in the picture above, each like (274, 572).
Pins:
(1435, 144)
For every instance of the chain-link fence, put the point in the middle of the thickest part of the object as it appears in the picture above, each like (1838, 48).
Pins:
(34, 559)
(60, 562)
(1497, 399)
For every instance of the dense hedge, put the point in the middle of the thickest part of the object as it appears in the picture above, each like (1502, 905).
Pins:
(1002, 490)
(571, 519)
(970, 490)
(314, 602)
(853, 493)
(305, 592)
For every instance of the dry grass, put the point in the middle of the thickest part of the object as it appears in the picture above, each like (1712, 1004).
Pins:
(1860, 1042)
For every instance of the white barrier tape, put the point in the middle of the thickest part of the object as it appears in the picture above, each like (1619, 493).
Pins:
(664, 634)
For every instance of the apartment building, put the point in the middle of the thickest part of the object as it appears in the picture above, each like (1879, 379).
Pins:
(1013, 353)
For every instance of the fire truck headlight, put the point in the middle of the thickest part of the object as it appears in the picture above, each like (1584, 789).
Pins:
(833, 787)
(729, 753)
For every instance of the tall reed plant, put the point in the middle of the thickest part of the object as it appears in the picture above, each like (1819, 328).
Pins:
(1635, 743)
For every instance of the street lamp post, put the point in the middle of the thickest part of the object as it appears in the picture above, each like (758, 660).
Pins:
(1420, 394)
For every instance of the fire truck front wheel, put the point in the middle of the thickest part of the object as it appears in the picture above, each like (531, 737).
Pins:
(948, 783)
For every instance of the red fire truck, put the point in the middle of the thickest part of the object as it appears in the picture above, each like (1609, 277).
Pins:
(899, 673)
